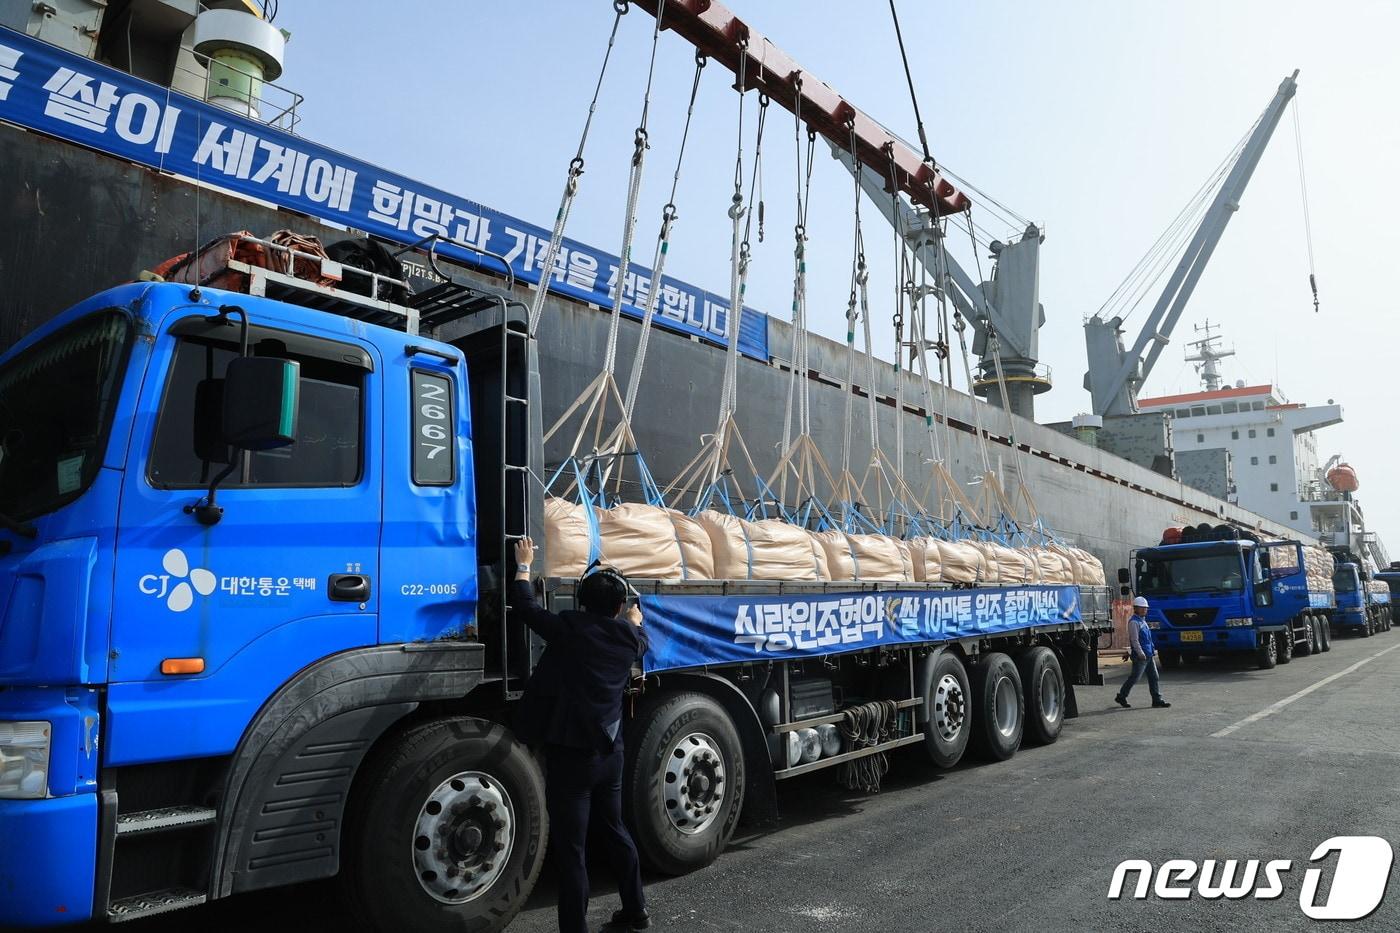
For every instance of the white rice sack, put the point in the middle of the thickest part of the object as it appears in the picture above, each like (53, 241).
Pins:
(960, 562)
(565, 538)
(697, 552)
(640, 541)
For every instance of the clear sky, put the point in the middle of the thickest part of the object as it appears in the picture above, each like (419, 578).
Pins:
(1096, 118)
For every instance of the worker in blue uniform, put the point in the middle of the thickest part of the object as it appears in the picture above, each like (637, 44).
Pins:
(1144, 656)
(573, 708)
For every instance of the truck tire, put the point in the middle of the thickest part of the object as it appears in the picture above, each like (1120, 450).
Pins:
(445, 794)
(1284, 640)
(1267, 652)
(948, 706)
(683, 785)
(1309, 645)
(1324, 632)
(1170, 657)
(999, 707)
(1044, 684)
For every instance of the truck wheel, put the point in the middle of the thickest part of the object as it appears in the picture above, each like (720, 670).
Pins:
(1045, 694)
(1170, 658)
(949, 711)
(999, 712)
(448, 830)
(684, 782)
(1267, 653)
(1324, 632)
(1309, 646)
(1284, 640)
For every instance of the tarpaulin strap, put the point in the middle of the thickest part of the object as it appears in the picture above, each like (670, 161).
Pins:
(561, 218)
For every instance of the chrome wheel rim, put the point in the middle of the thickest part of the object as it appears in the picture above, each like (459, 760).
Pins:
(949, 707)
(693, 788)
(1049, 696)
(1008, 711)
(463, 837)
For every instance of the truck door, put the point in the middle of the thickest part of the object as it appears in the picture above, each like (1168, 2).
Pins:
(1283, 565)
(286, 577)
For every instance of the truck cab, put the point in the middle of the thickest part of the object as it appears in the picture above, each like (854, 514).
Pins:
(1363, 606)
(1224, 596)
(199, 642)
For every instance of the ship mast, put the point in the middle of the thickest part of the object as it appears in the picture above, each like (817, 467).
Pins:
(1204, 353)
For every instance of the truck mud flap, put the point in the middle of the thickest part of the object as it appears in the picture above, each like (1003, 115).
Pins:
(284, 801)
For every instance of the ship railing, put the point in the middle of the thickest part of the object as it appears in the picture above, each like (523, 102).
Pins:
(272, 104)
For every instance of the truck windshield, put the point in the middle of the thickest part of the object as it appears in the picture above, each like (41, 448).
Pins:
(1164, 577)
(56, 401)
(1344, 579)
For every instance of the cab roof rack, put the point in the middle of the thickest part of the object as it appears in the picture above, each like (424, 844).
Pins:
(356, 295)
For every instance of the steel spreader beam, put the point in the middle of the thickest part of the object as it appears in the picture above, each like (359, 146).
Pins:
(719, 34)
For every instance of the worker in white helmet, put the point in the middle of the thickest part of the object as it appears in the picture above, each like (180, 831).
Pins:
(1144, 656)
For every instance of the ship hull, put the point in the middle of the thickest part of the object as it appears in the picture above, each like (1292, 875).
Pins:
(79, 221)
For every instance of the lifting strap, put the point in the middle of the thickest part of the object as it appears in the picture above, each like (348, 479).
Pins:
(709, 472)
(561, 217)
(602, 393)
(663, 247)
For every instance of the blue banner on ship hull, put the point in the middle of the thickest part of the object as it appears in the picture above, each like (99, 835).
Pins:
(61, 94)
(690, 631)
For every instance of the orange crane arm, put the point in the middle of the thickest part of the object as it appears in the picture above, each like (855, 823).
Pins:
(722, 36)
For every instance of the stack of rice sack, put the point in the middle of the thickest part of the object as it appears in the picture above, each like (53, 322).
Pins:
(767, 549)
(1052, 566)
(650, 542)
(1377, 586)
(639, 540)
(1085, 568)
(1318, 564)
(866, 557)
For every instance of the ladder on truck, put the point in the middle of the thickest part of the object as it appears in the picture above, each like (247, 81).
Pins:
(506, 363)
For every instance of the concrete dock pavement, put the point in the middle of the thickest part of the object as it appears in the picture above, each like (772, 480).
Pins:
(1246, 764)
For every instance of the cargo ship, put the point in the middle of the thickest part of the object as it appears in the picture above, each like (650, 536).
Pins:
(96, 200)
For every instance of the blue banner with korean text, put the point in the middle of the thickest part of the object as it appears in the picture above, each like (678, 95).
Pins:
(55, 92)
(691, 631)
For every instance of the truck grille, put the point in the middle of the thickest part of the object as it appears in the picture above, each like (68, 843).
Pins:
(1191, 618)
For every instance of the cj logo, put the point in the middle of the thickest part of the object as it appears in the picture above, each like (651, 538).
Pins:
(179, 583)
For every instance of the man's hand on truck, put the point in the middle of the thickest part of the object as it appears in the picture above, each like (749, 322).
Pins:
(524, 557)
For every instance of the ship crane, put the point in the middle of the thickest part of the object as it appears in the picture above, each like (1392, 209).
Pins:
(1004, 312)
(1116, 374)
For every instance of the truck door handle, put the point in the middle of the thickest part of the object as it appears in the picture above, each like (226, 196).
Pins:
(349, 587)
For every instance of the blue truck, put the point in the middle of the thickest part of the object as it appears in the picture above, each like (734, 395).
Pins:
(1363, 605)
(252, 631)
(1232, 595)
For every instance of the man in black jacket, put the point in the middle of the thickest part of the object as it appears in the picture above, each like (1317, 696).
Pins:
(573, 707)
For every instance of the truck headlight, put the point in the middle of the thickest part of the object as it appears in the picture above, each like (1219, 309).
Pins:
(1238, 623)
(1153, 624)
(24, 759)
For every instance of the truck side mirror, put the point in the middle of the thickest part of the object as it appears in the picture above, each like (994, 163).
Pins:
(1123, 575)
(1125, 590)
(261, 397)
(256, 402)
